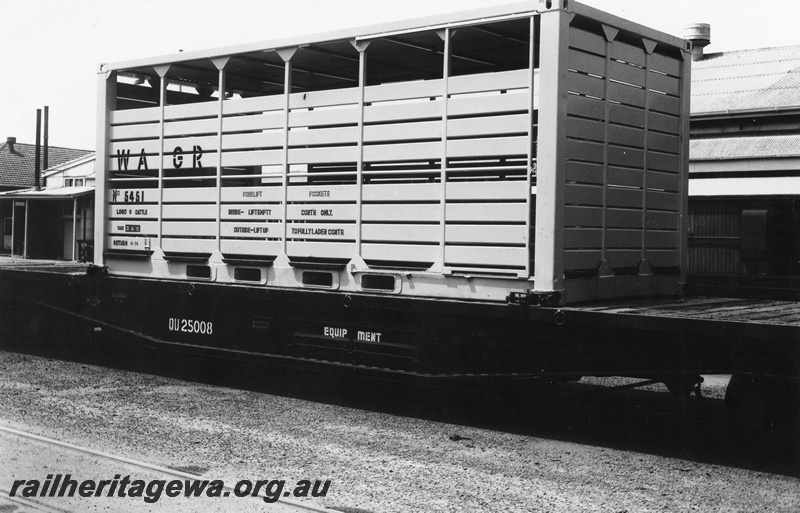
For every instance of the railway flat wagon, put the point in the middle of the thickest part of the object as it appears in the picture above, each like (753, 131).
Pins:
(456, 196)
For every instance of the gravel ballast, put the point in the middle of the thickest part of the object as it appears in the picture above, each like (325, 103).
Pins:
(376, 462)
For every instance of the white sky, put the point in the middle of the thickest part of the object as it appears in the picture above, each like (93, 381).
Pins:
(49, 49)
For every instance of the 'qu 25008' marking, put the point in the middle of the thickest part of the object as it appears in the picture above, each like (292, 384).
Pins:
(191, 326)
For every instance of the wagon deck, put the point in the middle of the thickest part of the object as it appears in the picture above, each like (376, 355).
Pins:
(711, 309)
(697, 308)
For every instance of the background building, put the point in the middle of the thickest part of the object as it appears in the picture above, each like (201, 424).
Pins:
(745, 169)
(34, 222)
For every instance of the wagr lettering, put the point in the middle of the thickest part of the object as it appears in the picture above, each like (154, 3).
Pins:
(123, 158)
(124, 155)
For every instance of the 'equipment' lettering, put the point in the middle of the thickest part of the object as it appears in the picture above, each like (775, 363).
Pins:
(335, 332)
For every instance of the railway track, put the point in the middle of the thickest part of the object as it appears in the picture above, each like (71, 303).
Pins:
(26, 504)
(92, 462)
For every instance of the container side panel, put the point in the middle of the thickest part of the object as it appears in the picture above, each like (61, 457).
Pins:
(623, 151)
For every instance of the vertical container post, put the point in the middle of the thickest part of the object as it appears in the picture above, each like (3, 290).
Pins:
(649, 47)
(550, 190)
(286, 54)
(106, 102)
(529, 204)
(686, 78)
(162, 105)
(445, 35)
(220, 63)
(218, 181)
(361, 47)
(610, 34)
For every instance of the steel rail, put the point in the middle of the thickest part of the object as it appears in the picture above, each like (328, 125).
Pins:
(30, 505)
(141, 464)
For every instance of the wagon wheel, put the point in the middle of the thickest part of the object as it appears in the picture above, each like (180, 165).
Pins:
(762, 408)
(683, 385)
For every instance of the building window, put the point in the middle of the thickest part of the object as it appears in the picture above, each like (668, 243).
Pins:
(74, 182)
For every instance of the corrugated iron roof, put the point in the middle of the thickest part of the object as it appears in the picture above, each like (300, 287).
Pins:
(17, 166)
(59, 168)
(745, 80)
(740, 147)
